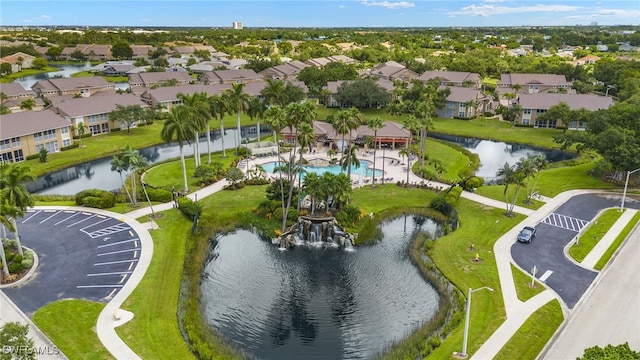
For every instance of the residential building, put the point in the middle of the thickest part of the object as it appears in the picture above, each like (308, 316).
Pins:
(94, 111)
(535, 104)
(150, 79)
(80, 86)
(237, 25)
(118, 69)
(25, 133)
(289, 70)
(533, 83)
(142, 51)
(166, 97)
(16, 95)
(392, 70)
(454, 78)
(93, 52)
(18, 61)
(230, 77)
(465, 102)
(391, 134)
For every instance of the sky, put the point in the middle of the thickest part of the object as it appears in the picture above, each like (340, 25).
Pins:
(314, 13)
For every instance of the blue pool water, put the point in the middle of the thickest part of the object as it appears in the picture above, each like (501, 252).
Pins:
(365, 169)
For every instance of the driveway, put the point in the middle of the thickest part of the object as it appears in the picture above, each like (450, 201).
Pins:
(83, 255)
(546, 252)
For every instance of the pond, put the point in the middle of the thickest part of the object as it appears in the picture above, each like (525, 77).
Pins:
(98, 175)
(317, 303)
(493, 154)
(66, 70)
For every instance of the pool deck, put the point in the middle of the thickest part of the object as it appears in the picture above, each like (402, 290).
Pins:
(395, 166)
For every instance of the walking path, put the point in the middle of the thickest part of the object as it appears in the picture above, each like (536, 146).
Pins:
(517, 311)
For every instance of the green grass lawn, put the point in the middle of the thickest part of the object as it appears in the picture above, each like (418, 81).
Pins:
(70, 324)
(616, 243)
(25, 72)
(534, 334)
(169, 174)
(153, 333)
(522, 282)
(454, 161)
(594, 233)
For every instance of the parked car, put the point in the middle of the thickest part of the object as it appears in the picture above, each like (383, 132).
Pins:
(526, 234)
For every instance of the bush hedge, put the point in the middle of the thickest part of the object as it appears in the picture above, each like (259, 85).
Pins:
(189, 207)
(96, 198)
(69, 147)
(159, 195)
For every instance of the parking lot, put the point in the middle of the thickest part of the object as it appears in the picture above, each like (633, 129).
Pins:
(83, 255)
(553, 233)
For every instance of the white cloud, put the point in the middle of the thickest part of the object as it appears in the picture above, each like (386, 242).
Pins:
(623, 13)
(389, 4)
(44, 17)
(487, 10)
(493, 1)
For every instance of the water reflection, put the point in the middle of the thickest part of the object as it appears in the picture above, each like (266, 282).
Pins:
(317, 303)
(493, 154)
(66, 70)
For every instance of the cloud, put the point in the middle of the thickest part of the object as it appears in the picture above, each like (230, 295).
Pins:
(493, 1)
(389, 4)
(44, 17)
(487, 10)
(342, 6)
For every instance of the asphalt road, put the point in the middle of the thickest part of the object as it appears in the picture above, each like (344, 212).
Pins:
(546, 251)
(610, 313)
(82, 256)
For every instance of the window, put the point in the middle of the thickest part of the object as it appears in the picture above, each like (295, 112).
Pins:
(66, 142)
(5, 144)
(50, 134)
(51, 146)
(463, 105)
(37, 136)
(526, 121)
(93, 119)
(16, 142)
(64, 130)
(450, 104)
(6, 157)
(18, 155)
(534, 88)
(461, 114)
(541, 111)
(527, 111)
(39, 147)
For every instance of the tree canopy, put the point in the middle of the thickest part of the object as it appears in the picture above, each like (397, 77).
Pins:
(362, 93)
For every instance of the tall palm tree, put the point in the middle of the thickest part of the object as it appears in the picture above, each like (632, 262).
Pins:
(540, 163)
(79, 130)
(12, 183)
(405, 151)
(344, 122)
(506, 175)
(6, 210)
(274, 92)
(313, 187)
(218, 108)
(136, 162)
(375, 124)
(527, 167)
(199, 113)
(237, 101)
(119, 164)
(256, 110)
(350, 158)
(276, 119)
(179, 127)
(422, 112)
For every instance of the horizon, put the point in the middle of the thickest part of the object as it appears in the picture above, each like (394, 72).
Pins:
(260, 14)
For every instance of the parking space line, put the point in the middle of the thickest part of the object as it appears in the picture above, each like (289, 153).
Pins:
(117, 252)
(108, 230)
(120, 242)
(565, 222)
(546, 275)
(94, 224)
(56, 213)
(85, 219)
(117, 262)
(61, 221)
(99, 286)
(110, 273)
(34, 214)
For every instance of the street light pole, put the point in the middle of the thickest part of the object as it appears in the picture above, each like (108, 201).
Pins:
(466, 321)
(626, 183)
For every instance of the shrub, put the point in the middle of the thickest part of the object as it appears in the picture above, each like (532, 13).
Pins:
(453, 195)
(69, 147)
(473, 183)
(96, 198)
(33, 156)
(15, 267)
(348, 215)
(26, 263)
(440, 204)
(189, 207)
(116, 130)
(160, 195)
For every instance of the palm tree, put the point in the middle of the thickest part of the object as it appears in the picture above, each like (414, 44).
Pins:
(6, 210)
(199, 114)
(79, 130)
(422, 112)
(375, 124)
(344, 122)
(256, 110)
(350, 158)
(313, 186)
(276, 119)
(540, 163)
(527, 167)
(28, 104)
(405, 151)
(179, 127)
(274, 93)
(136, 162)
(516, 88)
(342, 189)
(12, 184)
(119, 164)
(218, 108)
(506, 176)
(237, 101)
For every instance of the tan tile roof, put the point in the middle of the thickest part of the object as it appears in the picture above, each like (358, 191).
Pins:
(29, 122)
(525, 79)
(463, 94)
(15, 89)
(575, 101)
(95, 105)
(153, 78)
(70, 84)
(450, 76)
(170, 93)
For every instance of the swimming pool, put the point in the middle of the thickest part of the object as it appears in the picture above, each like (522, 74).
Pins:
(364, 169)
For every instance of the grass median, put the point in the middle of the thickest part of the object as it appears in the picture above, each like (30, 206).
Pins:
(617, 242)
(594, 233)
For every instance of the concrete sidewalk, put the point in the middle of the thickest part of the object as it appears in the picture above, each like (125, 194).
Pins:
(603, 245)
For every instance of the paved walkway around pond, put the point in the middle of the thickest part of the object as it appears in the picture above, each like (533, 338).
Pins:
(517, 311)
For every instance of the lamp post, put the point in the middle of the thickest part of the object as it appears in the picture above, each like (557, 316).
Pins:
(466, 322)
(606, 93)
(626, 183)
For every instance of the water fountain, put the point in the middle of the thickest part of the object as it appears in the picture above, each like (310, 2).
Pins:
(315, 231)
